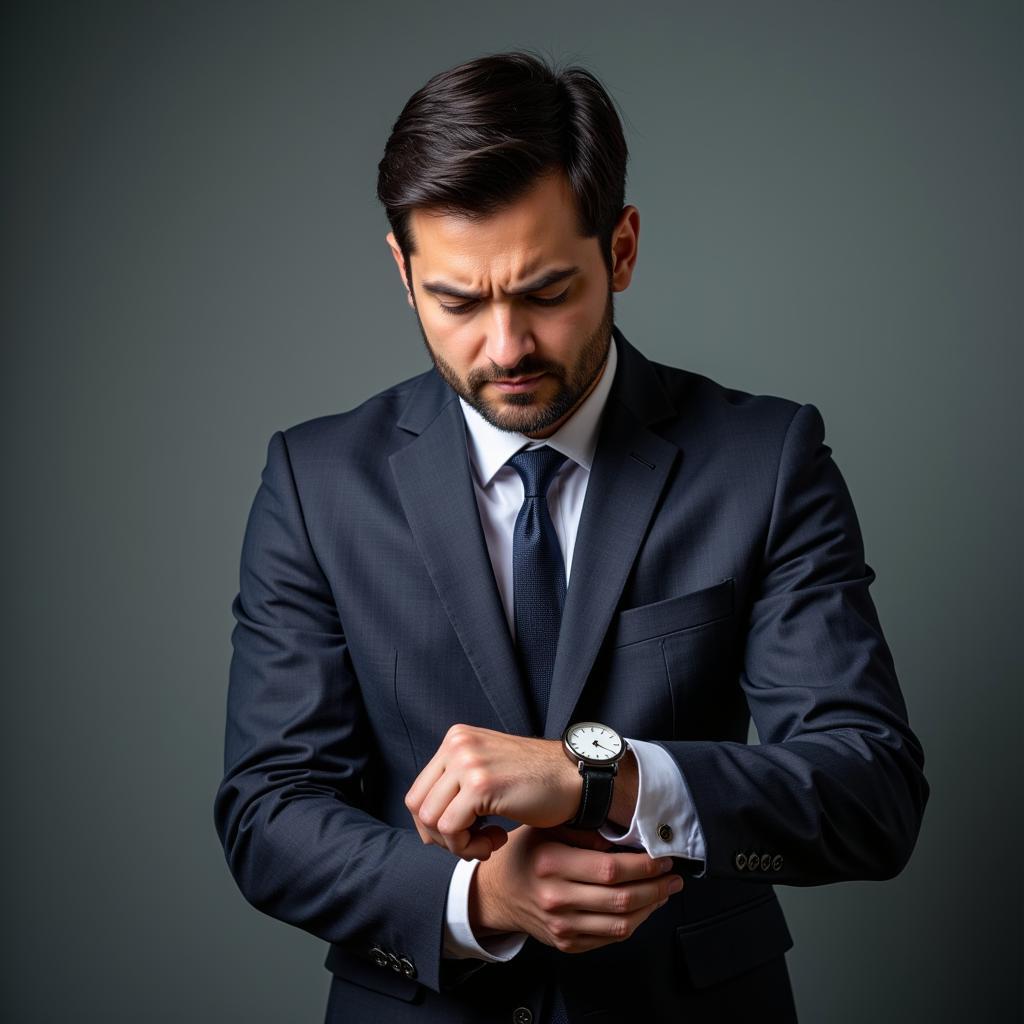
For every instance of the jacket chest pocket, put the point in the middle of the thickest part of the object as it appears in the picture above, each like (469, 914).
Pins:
(674, 614)
(681, 650)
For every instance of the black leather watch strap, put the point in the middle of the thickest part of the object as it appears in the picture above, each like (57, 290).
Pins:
(596, 799)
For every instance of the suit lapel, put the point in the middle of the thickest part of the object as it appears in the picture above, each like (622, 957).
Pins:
(435, 485)
(433, 476)
(630, 468)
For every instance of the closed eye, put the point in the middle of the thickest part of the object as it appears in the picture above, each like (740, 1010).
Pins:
(553, 301)
(467, 307)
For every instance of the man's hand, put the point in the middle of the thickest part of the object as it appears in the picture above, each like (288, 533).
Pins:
(479, 771)
(564, 888)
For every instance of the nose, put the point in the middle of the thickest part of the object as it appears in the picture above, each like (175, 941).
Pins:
(509, 337)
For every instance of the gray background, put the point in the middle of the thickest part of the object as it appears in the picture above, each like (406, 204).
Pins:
(194, 257)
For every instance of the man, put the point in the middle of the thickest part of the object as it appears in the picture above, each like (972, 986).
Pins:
(502, 627)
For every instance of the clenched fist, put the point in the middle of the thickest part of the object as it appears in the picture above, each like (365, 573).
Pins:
(479, 771)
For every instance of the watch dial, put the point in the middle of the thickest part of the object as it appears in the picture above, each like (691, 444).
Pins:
(595, 741)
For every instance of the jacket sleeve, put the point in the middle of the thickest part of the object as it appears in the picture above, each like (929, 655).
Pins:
(835, 789)
(289, 810)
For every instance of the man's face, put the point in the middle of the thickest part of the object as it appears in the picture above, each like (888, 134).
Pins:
(516, 310)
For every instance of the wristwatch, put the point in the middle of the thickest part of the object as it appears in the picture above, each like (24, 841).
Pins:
(597, 749)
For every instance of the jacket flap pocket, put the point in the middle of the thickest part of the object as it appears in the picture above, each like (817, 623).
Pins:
(647, 621)
(370, 975)
(732, 943)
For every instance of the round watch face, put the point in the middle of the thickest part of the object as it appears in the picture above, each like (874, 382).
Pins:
(594, 741)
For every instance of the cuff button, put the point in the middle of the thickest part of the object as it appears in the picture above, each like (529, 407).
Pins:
(664, 832)
(740, 861)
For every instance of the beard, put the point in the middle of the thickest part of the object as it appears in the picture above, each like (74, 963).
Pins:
(524, 412)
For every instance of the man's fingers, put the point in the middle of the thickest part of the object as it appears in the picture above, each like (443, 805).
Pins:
(590, 916)
(618, 899)
(591, 931)
(485, 841)
(471, 844)
(423, 831)
(436, 805)
(499, 836)
(460, 815)
(600, 867)
(424, 782)
(480, 843)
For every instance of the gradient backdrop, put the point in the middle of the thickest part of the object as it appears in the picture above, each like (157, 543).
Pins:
(193, 257)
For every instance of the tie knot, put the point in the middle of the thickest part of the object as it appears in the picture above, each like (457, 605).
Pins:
(537, 467)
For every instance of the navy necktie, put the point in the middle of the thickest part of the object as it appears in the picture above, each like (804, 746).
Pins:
(538, 575)
(538, 586)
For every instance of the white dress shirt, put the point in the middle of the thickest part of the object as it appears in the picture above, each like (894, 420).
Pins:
(663, 797)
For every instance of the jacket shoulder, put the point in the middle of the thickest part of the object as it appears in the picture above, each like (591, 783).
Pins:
(368, 423)
(702, 400)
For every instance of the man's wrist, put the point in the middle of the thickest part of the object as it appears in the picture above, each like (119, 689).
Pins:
(484, 911)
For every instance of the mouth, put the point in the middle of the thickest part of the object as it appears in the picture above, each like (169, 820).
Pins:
(518, 384)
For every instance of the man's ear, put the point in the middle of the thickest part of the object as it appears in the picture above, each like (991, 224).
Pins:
(625, 244)
(396, 252)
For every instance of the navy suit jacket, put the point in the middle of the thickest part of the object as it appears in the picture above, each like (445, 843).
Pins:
(718, 574)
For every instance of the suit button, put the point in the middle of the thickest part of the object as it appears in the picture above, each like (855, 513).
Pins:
(766, 861)
(522, 1015)
(379, 957)
(394, 962)
(752, 861)
(777, 862)
(665, 832)
(741, 861)
(407, 968)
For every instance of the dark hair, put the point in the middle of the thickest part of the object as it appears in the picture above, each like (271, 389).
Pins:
(476, 137)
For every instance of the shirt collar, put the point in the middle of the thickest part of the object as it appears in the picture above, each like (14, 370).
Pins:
(490, 447)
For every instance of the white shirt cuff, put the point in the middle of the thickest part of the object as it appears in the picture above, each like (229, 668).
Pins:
(662, 799)
(459, 941)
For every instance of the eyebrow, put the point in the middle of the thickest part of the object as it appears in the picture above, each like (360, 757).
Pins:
(551, 277)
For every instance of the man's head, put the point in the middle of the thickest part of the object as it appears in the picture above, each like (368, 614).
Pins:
(503, 182)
